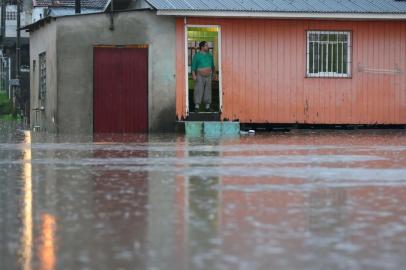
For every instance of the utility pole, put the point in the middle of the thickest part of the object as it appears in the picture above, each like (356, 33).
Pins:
(18, 41)
(17, 90)
(3, 23)
(2, 35)
(77, 7)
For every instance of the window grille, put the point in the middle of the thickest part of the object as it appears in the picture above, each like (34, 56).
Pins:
(42, 76)
(328, 54)
(11, 15)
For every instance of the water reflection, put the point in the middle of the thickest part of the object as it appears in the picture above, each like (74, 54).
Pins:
(47, 252)
(26, 252)
(327, 200)
(327, 210)
(203, 215)
(203, 221)
(120, 199)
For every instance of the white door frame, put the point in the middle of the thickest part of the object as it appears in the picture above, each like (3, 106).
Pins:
(219, 63)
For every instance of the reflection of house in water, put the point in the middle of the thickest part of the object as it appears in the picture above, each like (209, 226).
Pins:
(90, 215)
(327, 210)
(15, 206)
(120, 197)
(198, 200)
(104, 205)
(269, 218)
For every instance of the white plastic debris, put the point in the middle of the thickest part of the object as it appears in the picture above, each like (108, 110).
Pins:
(249, 132)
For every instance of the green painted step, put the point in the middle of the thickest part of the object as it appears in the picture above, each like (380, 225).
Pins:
(211, 128)
(193, 128)
(230, 128)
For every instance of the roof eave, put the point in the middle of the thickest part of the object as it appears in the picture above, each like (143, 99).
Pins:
(106, 6)
(35, 25)
(284, 15)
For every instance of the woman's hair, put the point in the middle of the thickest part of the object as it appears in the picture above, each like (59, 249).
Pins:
(201, 44)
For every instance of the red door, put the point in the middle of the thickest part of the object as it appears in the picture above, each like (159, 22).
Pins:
(120, 90)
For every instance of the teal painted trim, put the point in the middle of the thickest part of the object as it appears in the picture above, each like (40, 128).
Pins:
(212, 129)
(193, 129)
(230, 128)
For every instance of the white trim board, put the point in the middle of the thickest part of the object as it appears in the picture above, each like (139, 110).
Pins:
(284, 15)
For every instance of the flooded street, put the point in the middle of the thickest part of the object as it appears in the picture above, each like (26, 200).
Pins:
(297, 200)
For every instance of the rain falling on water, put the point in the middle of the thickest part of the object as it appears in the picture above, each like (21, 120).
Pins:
(296, 200)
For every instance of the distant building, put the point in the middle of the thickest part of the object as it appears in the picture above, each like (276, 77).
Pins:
(8, 50)
(55, 8)
(31, 11)
(11, 20)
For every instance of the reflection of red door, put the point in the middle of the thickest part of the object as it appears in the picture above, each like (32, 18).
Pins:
(120, 90)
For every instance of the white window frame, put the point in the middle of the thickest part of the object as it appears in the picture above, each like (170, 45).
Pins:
(220, 78)
(324, 73)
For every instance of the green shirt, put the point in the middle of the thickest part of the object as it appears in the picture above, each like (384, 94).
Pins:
(202, 60)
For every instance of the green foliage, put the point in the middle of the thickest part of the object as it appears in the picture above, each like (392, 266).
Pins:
(6, 106)
(8, 117)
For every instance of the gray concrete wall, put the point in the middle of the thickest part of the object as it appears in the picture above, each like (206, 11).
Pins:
(44, 40)
(76, 37)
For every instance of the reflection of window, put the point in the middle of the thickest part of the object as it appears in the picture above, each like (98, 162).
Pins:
(11, 15)
(328, 54)
(42, 75)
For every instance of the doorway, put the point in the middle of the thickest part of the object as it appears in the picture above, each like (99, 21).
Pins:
(120, 89)
(212, 35)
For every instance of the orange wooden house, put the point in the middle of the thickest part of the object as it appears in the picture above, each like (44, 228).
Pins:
(306, 62)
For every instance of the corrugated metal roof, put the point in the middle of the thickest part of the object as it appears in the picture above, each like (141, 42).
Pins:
(319, 6)
(57, 12)
(96, 4)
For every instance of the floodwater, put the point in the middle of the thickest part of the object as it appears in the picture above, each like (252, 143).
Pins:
(297, 200)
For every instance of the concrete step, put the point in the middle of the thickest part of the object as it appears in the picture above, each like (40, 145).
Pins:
(211, 128)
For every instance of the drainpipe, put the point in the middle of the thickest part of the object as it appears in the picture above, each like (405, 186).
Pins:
(111, 15)
(77, 7)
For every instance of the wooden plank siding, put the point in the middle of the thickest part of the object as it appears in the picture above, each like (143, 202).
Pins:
(264, 72)
(120, 95)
